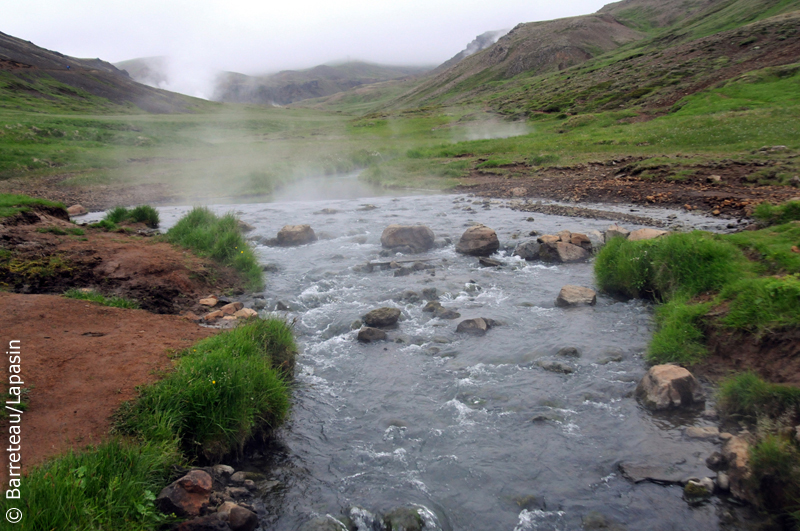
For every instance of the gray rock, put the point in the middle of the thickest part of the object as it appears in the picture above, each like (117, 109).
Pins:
(616, 231)
(716, 461)
(410, 296)
(646, 234)
(723, 482)
(223, 470)
(475, 327)
(489, 262)
(478, 240)
(528, 250)
(382, 317)
(293, 235)
(569, 352)
(564, 253)
(668, 387)
(576, 296)
(368, 334)
(430, 294)
(323, 523)
(417, 238)
(432, 306)
(706, 433)
(444, 313)
(555, 366)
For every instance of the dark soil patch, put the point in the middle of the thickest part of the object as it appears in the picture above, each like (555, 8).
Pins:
(775, 356)
(161, 277)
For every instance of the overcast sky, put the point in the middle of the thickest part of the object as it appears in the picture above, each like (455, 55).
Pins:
(261, 37)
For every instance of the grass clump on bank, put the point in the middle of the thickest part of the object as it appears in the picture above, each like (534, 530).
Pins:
(99, 298)
(224, 391)
(11, 204)
(777, 214)
(140, 214)
(111, 486)
(747, 395)
(218, 237)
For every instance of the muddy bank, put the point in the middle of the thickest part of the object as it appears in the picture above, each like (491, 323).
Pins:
(726, 188)
(43, 253)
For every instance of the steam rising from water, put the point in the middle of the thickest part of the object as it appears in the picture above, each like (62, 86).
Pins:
(491, 129)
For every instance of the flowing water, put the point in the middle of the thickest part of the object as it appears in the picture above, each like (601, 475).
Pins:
(469, 430)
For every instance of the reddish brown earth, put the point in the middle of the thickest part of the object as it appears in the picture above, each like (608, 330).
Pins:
(80, 361)
(161, 277)
(619, 181)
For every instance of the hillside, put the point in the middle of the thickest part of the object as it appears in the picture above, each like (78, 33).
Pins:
(296, 85)
(33, 78)
(632, 52)
(147, 70)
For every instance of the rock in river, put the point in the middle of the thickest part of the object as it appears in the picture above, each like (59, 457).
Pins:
(576, 296)
(382, 317)
(368, 334)
(478, 240)
(563, 253)
(475, 327)
(668, 386)
(418, 238)
(293, 235)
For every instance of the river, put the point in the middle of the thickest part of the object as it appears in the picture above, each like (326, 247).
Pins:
(469, 430)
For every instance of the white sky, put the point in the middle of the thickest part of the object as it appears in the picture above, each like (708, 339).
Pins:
(262, 37)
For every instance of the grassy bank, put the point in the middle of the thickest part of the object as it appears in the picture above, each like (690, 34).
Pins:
(225, 391)
(219, 238)
(746, 284)
(754, 277)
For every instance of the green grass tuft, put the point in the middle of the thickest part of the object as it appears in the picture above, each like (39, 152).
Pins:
(219, 238)
(778, 214)
(679, 336)
(763, 304)
(93, 296)
(140, 214)
(749, 396)
(224, 391)
(110, 486)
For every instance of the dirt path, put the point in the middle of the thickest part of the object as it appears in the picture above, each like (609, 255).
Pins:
(80, 361)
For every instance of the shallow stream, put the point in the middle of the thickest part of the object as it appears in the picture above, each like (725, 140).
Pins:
(471, 430)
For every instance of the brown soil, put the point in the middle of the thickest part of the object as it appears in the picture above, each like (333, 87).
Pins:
(775, 356)
(81, 360)
(620, 181)
(160, 277)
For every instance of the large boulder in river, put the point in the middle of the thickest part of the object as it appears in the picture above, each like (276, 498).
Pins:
(418, 238)
(382, 317)
(667, 387)
(564, 253)
(292, 235)
(478, 240)
(576, 296)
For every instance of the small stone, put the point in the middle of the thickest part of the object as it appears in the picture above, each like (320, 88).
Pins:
(489, 262)
(694, 432)
(694, 492)
(555, 366)
(615, 230)
(250, 485)
(713, 179)
(238, 478)
(229, 318)
(246, 313)
(645, 234)
(444, 313)
(241, 519)
(716, 461)
(548, 238)
(224, 470)
(368, 334)
(569, 352)
(237, 493)
(474, 327)
(76, 210)
(210, 302)
(231, 308)
(382, 317)
(197, 481)
(723, 482)
(244, 226)
(281, 306)
(432, 306)
(576, 296)
(213, 315)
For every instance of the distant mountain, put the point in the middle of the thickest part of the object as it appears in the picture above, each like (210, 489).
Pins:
(147, 70)
(31, 71)
(704, 41)
(296, 85)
